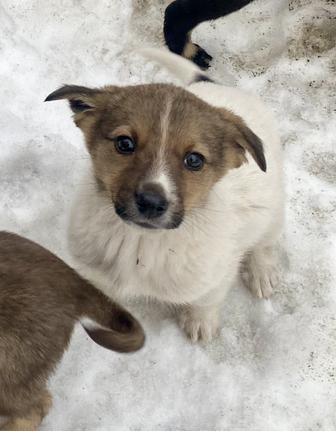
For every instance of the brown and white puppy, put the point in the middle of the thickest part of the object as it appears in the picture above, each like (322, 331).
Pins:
(41, 298)
(185, 184)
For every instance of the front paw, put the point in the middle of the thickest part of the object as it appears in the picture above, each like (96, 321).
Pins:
(262, 283)
(199, 324)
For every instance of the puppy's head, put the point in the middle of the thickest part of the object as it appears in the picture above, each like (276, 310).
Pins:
(157, 150)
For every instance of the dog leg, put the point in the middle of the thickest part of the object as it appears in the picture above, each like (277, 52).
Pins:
(182, 16)
(199, 323)
(262, 271)
(200, 320)
(32, 420)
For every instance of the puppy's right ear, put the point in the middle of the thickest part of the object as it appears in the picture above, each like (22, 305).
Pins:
(81, 99)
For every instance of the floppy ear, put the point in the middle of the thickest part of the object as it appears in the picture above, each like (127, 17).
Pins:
(81, 99)
(251, 143)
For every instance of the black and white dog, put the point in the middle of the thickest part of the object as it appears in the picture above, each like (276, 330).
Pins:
(182, 16)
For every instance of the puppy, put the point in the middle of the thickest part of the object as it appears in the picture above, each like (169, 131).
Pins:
(41, 298)
(182, 16)
(185, 184)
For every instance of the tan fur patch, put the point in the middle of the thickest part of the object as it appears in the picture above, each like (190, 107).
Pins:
(190, 50)
(33, 419)
(31, 423)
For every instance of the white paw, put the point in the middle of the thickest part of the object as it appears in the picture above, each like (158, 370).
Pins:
(199, 324)
(262, 282)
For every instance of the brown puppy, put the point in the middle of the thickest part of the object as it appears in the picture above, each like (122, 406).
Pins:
(41, 298)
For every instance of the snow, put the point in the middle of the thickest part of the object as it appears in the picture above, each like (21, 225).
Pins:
(273, 368)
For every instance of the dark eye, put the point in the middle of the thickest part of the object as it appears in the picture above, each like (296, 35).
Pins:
(125, 145)
(194, 161)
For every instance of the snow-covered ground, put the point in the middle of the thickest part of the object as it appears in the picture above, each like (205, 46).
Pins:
(273, 368)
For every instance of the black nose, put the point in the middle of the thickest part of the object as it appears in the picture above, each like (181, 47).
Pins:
(151, 204)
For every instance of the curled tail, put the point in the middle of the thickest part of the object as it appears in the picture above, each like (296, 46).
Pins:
(107, 323)
(184, 69)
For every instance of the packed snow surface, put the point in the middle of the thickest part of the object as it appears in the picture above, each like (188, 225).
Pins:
(273, 368)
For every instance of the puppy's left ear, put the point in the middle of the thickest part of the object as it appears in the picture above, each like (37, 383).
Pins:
(81, 99)
(250, 142)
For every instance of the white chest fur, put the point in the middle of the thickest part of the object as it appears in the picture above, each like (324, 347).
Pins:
(174, 266)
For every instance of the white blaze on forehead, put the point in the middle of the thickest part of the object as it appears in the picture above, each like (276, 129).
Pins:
(165, 118)
(160, 171)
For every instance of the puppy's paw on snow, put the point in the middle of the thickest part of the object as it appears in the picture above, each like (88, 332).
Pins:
(261, 266)
(262, 282)
(199, 324)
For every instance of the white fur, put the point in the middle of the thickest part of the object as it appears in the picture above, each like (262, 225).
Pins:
(197, 263)
(90, 324)
(184, 69)
(164, 181)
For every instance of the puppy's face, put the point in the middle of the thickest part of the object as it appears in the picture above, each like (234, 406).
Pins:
(158, 150)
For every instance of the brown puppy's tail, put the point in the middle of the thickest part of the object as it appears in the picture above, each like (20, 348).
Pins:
(107, 323)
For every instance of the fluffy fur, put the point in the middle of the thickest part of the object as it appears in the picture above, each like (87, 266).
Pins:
(193, 266)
